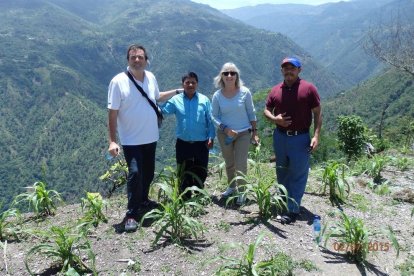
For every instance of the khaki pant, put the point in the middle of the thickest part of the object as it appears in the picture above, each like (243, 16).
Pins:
(235, 155)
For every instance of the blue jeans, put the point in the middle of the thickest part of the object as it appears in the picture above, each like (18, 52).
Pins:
(141, 165)
(292, 165)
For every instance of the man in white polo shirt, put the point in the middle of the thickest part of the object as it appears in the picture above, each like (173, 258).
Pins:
(131, 114)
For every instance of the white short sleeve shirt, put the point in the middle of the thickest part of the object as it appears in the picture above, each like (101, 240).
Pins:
(137, 120)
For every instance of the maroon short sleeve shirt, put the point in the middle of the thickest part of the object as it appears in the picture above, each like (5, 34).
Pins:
(296, 101)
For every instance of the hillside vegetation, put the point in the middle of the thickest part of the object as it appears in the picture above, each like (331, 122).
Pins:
(219, 238)
(61, 56)
(58, 57)
(388, 97)
(333, 33)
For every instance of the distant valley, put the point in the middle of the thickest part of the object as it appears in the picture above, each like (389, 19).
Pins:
(58, 57)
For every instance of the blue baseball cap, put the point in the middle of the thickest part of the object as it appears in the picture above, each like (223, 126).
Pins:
(294, 61)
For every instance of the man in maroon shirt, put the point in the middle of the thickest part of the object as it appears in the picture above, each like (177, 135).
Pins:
(290, 106)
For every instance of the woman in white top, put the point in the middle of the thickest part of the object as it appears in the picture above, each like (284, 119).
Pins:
(234, 115)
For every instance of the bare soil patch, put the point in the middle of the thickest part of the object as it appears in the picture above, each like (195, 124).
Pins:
(115, 252)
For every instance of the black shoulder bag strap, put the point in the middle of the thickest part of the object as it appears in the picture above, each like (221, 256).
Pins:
(157, 111)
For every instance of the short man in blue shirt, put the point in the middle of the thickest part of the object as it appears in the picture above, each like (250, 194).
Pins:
(194, 130)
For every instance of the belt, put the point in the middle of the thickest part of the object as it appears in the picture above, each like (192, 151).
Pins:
(292, 132)
(190, 142)
(239, 133)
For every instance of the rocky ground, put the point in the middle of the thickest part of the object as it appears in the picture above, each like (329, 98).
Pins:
(120, 253)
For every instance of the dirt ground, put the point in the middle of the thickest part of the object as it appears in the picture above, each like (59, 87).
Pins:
(132, 253)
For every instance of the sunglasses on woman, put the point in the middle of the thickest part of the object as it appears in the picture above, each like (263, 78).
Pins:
(229, 73)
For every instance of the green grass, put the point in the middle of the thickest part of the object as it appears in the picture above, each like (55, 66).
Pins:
(134, 265)
(360, 202)
(224, 226)
(402, 163)
(382, 189)
(407, 267)
(246, 264)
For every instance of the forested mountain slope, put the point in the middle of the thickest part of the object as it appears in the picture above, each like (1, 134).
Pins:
(333, 33)
(57, 58)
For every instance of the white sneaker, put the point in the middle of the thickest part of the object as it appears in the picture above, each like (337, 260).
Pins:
(228, 192)
(241, 200)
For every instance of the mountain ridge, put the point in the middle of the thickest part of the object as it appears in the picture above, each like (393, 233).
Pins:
(333, 33)
(57, 65)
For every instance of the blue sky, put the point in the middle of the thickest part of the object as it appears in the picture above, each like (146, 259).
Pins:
(231, 4)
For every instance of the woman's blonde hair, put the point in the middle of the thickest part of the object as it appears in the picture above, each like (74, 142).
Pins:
(227, 67)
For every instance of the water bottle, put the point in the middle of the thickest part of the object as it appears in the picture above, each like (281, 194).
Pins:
(228, 140)
(317, 229)
(108, 156)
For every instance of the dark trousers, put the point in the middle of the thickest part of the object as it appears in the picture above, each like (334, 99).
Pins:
(192, 160)
(141, 165)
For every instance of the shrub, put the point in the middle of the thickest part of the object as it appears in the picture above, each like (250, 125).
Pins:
(116, 176)
(351, 135)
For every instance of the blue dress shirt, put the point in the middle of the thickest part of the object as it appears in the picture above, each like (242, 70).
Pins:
(193, 117)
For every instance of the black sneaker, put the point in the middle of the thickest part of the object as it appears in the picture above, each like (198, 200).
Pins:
(288, 218)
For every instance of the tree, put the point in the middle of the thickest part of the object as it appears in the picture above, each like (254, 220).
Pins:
(393, 43)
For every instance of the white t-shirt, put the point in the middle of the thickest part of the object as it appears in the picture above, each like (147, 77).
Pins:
(137, 120)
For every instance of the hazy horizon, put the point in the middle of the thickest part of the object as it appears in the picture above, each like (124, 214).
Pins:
(232, 4)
